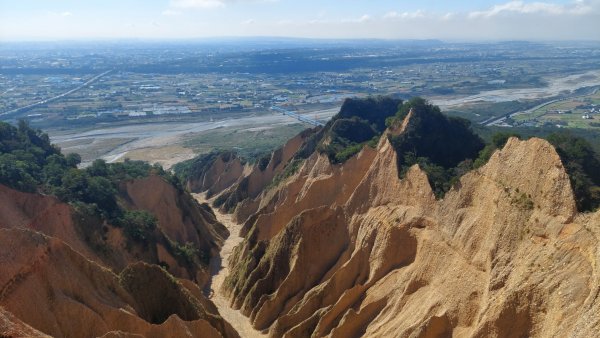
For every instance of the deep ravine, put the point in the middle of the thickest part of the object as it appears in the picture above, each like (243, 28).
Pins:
(219, 268)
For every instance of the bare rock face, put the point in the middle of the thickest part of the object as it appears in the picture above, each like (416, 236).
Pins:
(10, 326)
(58, 292)
(68, 275)
(180, 218)
(45, 214)
(352, 250)
(223, 172)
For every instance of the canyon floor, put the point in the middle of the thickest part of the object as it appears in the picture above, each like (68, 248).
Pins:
(219, 268)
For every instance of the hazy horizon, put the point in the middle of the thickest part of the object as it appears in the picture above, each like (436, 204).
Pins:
(60, 20)
(228, 39)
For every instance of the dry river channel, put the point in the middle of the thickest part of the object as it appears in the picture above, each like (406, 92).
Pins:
(219, 269)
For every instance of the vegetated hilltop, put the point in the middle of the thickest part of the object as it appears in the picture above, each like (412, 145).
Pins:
(81, 248)
(430, 233)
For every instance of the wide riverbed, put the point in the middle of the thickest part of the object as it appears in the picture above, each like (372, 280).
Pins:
(163, 140)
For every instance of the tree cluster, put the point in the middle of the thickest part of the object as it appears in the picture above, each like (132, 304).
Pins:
(360, 122)
(583, 166)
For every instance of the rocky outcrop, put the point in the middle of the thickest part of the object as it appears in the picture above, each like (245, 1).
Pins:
(352, 250)
(240, 194)
(45, 214)
(55, 290)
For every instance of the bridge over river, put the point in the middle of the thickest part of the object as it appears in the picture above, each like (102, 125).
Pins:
(301, 118)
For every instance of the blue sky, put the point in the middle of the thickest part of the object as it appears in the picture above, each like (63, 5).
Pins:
(389, 19)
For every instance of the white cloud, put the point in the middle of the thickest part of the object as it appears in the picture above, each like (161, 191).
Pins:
(248, 22)
(577, 7)
(507, 19)
(448, 16)
(404, 15)
(577, 19)
(363, 19)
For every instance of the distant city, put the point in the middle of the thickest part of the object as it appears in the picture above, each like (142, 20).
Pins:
(82, 84)
(167, 101)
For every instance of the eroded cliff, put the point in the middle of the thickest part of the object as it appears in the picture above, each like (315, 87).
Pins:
(52, 288)
(352, 249)
(68, 274)
(503, 254)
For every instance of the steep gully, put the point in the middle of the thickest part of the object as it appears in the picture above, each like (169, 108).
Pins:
(219, 268)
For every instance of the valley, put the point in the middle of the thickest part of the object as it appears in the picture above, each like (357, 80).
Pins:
(219, 269)
(362, 252)
(291, 188)
(362, 227)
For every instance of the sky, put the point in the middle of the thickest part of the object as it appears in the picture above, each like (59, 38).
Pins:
(451, 20)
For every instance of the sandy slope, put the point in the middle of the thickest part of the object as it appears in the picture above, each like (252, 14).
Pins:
(50, 274)
(360, 252)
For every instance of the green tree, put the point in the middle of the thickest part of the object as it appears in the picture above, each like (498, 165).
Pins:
(73, 160)
(98, 168)
(101, 192)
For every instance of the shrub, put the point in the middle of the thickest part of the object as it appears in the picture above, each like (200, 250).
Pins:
(138, 225)
(375, 110)
(582, 165)
(290, 169)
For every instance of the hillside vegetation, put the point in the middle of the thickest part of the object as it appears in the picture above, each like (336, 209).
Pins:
(30, 163)
(98, 194)
(444, 147)
(360, 122)
(583, 166)
(130, 221)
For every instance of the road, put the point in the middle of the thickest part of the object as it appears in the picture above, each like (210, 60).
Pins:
(556, 86)
(495, 121)
(57, 97)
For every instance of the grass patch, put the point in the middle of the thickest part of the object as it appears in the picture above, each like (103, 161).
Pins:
(250, 143)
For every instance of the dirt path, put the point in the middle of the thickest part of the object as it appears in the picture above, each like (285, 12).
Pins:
(219, 269)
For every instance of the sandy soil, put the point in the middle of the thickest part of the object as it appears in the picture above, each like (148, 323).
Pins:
(219, 268)
(166, 156)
